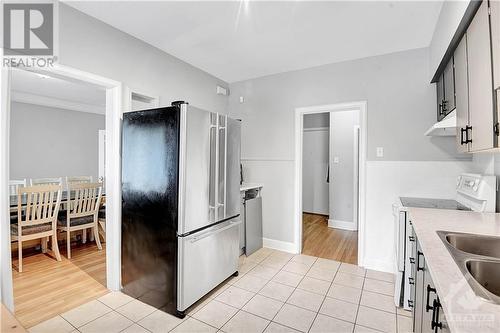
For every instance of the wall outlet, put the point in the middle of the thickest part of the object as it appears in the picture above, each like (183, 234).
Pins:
(242, 99)
(380, 151)
(336, 160)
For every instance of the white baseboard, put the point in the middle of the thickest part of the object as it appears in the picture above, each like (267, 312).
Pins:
(279, 245)
(345, 225)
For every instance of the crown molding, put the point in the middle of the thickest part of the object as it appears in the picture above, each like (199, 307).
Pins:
(28, 98)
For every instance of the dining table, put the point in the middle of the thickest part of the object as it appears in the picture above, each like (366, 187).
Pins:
(64, 200)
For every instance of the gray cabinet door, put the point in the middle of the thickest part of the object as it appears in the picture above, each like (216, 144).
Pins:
(440, 98)
(419, 288)
(495, 40)
(462, 94)
(429, 295)
(449, 87)
(480, 80)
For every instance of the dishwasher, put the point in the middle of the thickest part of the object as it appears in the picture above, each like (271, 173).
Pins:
(252, 208)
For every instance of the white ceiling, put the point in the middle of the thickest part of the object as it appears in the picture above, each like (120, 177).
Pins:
(33, 88)
(238, 40)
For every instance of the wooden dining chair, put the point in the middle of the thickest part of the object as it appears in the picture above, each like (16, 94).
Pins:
(38, 218)
(14, 185)
(82, 212)
(46, 181)
(78, 179)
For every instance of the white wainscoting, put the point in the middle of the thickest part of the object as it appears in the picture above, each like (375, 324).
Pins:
(386, 181)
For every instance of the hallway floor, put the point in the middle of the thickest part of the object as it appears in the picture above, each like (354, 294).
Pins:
(321, 241)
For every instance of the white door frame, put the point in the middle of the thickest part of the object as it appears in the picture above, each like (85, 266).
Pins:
(360, 106)
(115, 102)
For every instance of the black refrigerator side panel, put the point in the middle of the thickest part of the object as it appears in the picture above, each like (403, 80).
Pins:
(150, 168)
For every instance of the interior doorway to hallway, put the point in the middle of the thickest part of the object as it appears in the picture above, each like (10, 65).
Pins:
(330, 185)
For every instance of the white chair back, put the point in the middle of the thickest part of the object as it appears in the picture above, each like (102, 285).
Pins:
(46, 181)
(14, 185)
(42, 205)
(85, 199)
(78, 179)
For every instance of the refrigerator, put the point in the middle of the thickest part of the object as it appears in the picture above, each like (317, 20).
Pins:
(180, 204)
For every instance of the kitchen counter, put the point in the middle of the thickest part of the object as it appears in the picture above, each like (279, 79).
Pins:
(250, 186)
(464, 311)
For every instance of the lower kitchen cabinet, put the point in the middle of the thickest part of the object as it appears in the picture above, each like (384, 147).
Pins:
(428, 315)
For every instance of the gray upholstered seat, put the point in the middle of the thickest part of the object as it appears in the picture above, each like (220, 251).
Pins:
(29, 230)
(75, 221)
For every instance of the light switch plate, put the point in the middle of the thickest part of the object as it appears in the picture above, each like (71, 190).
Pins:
(380, 151)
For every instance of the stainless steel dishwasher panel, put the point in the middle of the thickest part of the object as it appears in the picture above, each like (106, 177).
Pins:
(253, 225)
(206, 259)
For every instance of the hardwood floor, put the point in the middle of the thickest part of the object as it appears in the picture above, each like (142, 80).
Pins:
(321, 241)
(47, 287)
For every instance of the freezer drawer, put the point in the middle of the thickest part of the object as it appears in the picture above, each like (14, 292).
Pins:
(206, 258)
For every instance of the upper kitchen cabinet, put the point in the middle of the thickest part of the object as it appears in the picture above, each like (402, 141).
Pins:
(462, 95)
(495, 42)
(446, 91)
(449, 86)
(479, 69)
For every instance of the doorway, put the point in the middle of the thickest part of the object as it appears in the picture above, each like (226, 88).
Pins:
(330, 164)
(98, 270)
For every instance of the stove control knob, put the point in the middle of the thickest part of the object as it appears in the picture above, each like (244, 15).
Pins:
(475, 188)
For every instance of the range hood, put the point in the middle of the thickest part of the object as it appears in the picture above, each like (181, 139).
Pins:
(445, 127)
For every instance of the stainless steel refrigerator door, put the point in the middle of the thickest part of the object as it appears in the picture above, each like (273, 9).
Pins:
(196, 169)
(206, 259)
(233, 158)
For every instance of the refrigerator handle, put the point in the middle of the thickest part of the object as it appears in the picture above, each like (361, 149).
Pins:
(222, 163)
(212, 179)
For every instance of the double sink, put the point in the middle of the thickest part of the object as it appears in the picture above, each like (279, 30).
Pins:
(478, 257)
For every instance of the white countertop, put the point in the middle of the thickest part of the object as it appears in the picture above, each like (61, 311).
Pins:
(250, 186)
(465, 312)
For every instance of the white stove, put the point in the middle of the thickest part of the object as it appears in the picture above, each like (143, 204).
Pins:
(474, 193)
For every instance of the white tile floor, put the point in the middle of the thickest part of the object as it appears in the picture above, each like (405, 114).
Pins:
(275, 292)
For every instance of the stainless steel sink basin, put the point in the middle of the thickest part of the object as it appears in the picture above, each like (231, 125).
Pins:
(478, 257)
(475, 244)
(487, 274)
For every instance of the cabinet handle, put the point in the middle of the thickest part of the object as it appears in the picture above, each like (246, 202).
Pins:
(427, 306)
(411, 238)
(462, 132)
(412, 260)
(418, 261)
(467, 129)
(435, 323)
(411, 280)
(442, 107)
(410, 303)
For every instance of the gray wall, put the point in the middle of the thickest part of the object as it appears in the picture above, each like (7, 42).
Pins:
(342, 175)
(401, 106)
(50, 142)
(446, 25)
(91, 45)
